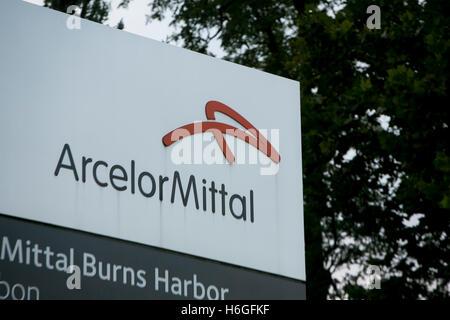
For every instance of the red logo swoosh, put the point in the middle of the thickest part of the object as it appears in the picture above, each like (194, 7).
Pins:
(254, 138)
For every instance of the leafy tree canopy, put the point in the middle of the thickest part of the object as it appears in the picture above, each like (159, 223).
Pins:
(94, 10)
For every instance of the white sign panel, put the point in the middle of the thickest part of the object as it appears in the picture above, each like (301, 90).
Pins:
(115, 134)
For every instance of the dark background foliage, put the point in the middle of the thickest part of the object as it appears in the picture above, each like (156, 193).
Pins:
(382, 94)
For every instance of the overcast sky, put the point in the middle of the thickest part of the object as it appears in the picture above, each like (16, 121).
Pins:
(135, 19)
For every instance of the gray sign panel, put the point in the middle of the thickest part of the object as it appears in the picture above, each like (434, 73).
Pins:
(34, 258)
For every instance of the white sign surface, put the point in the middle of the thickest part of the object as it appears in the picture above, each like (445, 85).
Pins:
(83, 113)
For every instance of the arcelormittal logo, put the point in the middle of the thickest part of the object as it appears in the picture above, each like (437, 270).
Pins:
(218, 129)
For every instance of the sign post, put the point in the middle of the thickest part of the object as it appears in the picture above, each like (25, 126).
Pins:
(159, 172)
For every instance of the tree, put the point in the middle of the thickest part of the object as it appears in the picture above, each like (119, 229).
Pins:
(380, 95)
(120, 25)
(94, 10)
(375, 120)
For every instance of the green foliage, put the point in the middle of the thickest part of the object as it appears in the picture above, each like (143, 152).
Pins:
(120, 25)
(352, 78)
(94, 10)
